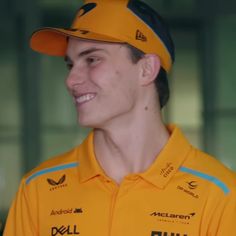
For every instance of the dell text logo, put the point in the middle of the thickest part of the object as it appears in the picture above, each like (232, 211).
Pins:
(159, 233)
(64, 230)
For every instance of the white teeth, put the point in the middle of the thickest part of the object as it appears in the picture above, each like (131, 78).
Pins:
(85, 98)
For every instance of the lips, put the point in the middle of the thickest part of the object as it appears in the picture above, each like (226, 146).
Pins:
(84, 98)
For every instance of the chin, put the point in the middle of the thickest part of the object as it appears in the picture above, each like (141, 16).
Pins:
(88, 122)
(95, 120)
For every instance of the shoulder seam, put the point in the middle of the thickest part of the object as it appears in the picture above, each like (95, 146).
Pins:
(205, 176)
(50, 170)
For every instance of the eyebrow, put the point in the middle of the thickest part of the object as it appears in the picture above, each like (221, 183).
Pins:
(84, 53)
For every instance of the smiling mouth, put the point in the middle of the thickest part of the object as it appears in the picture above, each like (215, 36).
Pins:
(84, 98)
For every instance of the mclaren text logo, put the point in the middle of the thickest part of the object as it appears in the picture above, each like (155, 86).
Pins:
(160, 233)
(57, 184)
(64, 230)
(172, 217)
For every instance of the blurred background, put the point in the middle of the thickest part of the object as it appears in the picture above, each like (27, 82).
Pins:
(37, 117)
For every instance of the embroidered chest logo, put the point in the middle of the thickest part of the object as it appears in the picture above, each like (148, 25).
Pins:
(57, 184)
(160, 233)
(192, 184)
(166, 170)
(58, 212)
(188, 188)
(64, 230)
(173, 217)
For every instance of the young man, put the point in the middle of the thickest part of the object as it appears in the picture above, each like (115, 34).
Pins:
(132, 175)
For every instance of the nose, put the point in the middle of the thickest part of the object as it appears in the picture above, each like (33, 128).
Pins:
(75, 78)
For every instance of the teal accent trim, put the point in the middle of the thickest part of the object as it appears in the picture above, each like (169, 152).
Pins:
(210, 178)
(49, 170)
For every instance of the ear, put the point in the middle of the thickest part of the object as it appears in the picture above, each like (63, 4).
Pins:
(150, 67)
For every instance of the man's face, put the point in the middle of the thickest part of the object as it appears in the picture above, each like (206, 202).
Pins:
(103, 82)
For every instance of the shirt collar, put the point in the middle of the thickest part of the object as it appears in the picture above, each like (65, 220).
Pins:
(159, 173)
(88, 165)
(169, 159)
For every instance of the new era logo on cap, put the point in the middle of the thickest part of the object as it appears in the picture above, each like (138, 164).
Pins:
(140, 36)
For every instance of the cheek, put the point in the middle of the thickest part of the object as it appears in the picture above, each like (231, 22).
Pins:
(118, 82)
(104, 76)
(100, 74)
(124, 88)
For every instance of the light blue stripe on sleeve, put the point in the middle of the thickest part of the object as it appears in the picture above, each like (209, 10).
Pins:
(49, 170)
(210, 178)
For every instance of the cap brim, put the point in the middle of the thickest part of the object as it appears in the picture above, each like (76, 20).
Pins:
(53, 41)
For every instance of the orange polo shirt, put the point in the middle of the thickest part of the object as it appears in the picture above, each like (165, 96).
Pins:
(184, 193)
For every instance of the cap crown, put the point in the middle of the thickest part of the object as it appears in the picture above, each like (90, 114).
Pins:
(121, 21)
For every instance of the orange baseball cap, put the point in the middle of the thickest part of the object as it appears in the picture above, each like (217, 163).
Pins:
(118, 21)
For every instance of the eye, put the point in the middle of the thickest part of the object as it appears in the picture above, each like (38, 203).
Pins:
(92, 60)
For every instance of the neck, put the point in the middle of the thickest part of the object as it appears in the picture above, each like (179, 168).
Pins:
(125, 149)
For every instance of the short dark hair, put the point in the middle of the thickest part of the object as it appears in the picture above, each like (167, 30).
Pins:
(161, 81)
